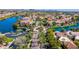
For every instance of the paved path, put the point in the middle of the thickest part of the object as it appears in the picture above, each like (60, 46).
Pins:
(12, 35)
(35, 40)
(10, 44)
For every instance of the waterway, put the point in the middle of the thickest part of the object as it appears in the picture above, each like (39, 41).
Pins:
(67, 28)
(6, 25)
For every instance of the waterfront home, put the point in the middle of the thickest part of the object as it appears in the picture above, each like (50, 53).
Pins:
(6, 15)
(26, 20)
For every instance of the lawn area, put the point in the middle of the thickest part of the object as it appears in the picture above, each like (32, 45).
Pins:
(6, 39)
(77, 42)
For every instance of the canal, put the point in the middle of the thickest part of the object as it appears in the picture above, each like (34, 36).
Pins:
(67, 28)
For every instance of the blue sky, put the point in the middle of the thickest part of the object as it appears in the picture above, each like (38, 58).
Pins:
(40, 4)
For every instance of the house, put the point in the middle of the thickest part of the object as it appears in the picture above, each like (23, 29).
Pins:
(26, 20)
(68, 43)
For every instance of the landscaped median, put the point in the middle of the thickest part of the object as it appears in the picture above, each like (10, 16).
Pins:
(4, 41)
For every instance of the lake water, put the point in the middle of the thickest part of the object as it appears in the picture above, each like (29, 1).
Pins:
(67, 28)
(6, 24)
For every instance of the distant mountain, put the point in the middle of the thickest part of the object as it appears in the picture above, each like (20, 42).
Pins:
(45, 10)
(55, 10)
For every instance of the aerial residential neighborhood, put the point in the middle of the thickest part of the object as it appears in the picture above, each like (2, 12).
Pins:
(39, 29)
